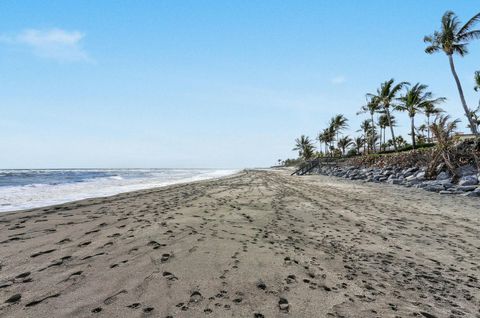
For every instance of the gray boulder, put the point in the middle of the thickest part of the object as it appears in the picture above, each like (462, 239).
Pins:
(466, 188)
(394, 181)
(420, 175)
(443, 176)
(468, 180)
(434, 188)
(472, 194)
(466, 170)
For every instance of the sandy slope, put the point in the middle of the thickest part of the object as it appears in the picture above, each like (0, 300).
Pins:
(260, 244)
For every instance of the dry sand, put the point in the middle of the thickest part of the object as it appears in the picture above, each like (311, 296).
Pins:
(259, 244)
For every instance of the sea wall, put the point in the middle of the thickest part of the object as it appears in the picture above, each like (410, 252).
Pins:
(409, 169)
(411, 177)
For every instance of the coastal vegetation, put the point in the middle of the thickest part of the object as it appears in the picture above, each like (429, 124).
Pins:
(438, 130)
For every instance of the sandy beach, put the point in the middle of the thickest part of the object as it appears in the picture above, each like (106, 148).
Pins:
(257, 244)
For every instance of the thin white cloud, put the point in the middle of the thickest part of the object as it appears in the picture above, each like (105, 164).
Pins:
(56, 44)
(338, 80)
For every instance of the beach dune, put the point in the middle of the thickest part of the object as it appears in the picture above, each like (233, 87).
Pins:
(256, 244)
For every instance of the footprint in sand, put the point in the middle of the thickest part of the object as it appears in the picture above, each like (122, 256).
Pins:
(169, 276)
(13, 299)
(283, 305)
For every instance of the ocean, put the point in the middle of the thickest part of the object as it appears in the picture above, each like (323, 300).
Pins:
(31, 188)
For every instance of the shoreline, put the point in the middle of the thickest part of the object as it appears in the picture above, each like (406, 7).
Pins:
(253, 244)
(186, 181)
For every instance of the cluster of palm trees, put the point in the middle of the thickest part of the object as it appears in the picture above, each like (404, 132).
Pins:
(452, 38)
(330, 134)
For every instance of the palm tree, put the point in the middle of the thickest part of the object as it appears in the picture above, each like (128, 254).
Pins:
(453, 38)
(344, 143)
(475, 117)
(322, 139)
(305, 147)
(371, 107)
(383, 124)
(358, 143)
(337, 124)
(429, 110)
(326, 137)
(420, 133)
(366, 128)
(400, 141)
(386, 94)
(414, 101)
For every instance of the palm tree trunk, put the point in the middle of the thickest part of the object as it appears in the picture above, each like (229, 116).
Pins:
(380, 138)
(413, 131)
(373, 134)
(428, 128)
(473, 127)
(384, 136)
(387, 110)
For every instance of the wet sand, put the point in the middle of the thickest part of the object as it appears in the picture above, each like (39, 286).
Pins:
(258, 244)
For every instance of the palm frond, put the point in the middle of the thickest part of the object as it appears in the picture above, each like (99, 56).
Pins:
(469, 25)
(477, 81)
(472, 35)
(432, 49)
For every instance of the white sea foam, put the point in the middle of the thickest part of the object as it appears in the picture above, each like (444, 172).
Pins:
(37, 195)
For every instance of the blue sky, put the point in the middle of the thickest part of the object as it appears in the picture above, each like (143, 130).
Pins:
(204, 83)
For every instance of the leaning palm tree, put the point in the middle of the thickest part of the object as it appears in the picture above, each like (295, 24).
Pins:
(453, 39)
(414, 101)
(386, 95)
(344, 143)
(429, 110)
(372, 107)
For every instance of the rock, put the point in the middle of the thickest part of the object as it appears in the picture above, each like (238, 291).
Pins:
(472, 194)
(434, 188)
(445, 192)
(468, 180)
(443, 176)
(466, 170)
(445, 183)
(394, 181)
(411, 178)
(466, 188)
(450, 192)
(412, 182)
(410, 171)
(420, 175)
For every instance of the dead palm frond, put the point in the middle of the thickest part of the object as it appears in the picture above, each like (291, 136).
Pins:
(443, 130)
